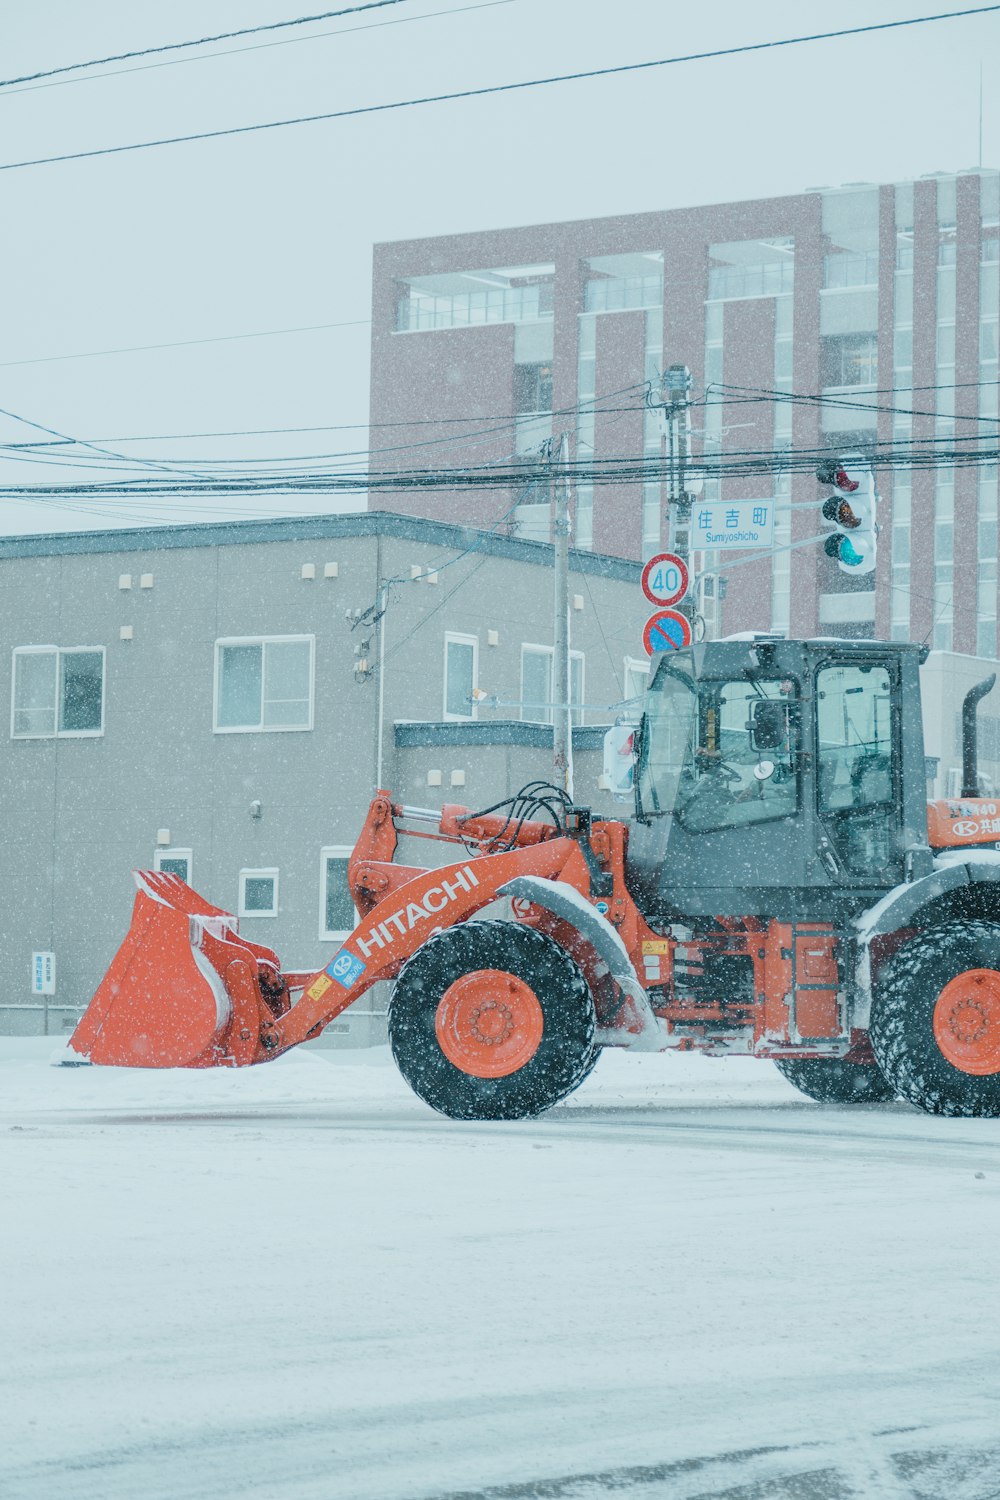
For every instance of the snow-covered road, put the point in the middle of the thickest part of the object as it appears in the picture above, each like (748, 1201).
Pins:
(295, 1282)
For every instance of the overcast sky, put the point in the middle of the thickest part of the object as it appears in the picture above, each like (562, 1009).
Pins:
(274, 230)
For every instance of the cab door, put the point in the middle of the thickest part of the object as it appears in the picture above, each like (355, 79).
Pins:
(858, 767)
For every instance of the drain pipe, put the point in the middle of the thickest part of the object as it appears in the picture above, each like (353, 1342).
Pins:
(970, 749)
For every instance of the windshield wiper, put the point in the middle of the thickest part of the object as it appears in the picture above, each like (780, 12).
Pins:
(639, 750)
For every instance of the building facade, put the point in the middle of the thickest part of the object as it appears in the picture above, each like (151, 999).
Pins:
(223, 700)
(855, 319)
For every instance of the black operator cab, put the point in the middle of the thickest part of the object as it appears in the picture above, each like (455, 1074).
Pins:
(772, 774)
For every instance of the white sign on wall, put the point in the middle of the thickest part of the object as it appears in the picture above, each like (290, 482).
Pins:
(720, 524)
(43, 973)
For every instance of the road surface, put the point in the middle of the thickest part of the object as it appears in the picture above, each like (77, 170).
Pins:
(295, 1282)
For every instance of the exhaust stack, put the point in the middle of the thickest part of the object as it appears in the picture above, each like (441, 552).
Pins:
(970, 746)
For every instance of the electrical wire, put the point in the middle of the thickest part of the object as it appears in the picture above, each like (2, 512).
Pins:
(290, 41)
(499, 88)
(105, 452)
(630, 472)
(764, 395)
(201, 41)
(393, 650)
(225, 338)
(363, 455)
(169, 437)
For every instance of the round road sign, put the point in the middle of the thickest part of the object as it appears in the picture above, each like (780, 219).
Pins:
(665, 578)
(667, 630)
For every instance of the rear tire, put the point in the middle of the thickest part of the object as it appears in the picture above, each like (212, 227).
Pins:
(834, 1081)
(456, 987)
(935, 1026)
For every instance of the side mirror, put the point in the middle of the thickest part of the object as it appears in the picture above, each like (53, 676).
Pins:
(768, 725)
(619, 759)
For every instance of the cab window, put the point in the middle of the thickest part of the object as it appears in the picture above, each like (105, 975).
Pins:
(744, 768)
(854, 732)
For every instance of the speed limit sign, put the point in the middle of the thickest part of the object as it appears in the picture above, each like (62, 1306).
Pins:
(665, 578)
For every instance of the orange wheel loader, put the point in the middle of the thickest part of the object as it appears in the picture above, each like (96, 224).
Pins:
(782, 889)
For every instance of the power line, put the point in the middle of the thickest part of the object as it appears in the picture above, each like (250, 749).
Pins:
(104, 452)
(846, 403)
(633, 472)
(499, 425)
(171, 437)
(201, 41)
(225, 338)
(499, 88)
(520, 499)
(290, 41)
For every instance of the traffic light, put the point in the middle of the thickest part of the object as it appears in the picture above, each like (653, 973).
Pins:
(851, 510)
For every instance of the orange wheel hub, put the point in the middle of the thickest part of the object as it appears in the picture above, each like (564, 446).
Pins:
(489, 1023)
(967, 1022)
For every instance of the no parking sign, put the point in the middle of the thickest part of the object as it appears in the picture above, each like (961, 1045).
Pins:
(667, 630)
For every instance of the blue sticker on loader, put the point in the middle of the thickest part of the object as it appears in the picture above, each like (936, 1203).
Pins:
(345, 968)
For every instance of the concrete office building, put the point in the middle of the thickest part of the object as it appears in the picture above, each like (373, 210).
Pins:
(881, 299)
(208, 699)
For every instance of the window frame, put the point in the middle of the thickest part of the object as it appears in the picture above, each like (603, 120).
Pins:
(638, 665)
(826, 809)
(58, 652)
(327, 934)
(527, 717)
(263, 640)
(269, 872)
(851, 348)
(458, 638)
(188, 854)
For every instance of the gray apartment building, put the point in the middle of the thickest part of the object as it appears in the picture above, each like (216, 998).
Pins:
(858, 318)
(222, 701)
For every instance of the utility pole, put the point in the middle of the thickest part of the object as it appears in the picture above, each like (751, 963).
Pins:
(676, 388)
(562, 725)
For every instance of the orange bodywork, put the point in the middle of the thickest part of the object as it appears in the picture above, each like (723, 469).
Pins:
(184, 989)
(187, 990)
(963, 823)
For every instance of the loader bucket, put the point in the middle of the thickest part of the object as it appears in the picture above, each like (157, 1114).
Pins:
(184, 989)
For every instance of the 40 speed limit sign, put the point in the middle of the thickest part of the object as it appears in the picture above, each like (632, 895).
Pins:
(665, 578)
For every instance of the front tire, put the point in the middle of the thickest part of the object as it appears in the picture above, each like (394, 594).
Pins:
(935, 1026)
(834, 1081)
(492, 1021)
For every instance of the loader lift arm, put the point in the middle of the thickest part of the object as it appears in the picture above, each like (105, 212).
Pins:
(187, 990)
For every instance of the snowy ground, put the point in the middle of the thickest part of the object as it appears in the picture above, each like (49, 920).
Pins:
(295, 1282)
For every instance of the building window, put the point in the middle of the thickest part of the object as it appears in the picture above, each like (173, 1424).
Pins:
(751, 268)
(258, 893)
(461, 670)
(848, 359)
(858, 268)
(264, 683)
(636, 680)
(337, 914)
(532, 406)
(174, 862)
(537, 703)
(57, 691)
(463, 299)
(533, 388)
(616, 282)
